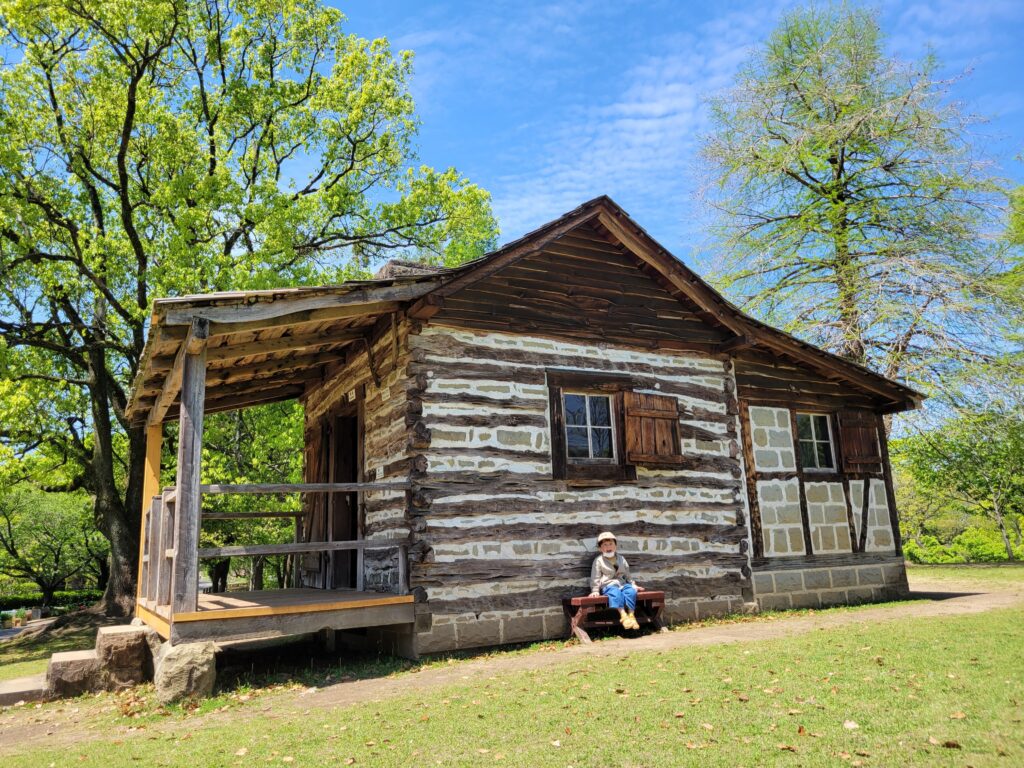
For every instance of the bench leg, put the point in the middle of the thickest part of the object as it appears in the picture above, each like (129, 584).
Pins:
(575, 625)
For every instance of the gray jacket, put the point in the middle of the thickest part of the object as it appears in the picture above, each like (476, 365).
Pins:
(609, 572)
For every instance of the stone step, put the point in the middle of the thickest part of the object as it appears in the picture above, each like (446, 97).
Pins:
(30, 688)
(72, 673)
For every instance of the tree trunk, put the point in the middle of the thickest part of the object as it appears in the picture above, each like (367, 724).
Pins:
(119, 524)
(1002, 529)
(256, 582)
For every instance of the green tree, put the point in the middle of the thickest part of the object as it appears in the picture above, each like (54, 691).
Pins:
(974, 460)
(850, 208)
(160, 147)
(46, 538)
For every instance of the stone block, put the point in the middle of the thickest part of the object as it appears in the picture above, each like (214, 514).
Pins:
(856, 595)
(424, 618)
(763, 583)
(123, 652)
(22, 689)
(769, 492)
(788, 514)
(679, 611)
(816, 493)
(762, 417)
(844, 577)
(708, 609)
(72, 673)
(828, 540)
(805, 600)
(774, 602)
(780, 542)
(473, 634)
(523, 629)
(555, 625)
(789, 581)
(186, 671)
(869, 576)
(441, 637)
(765, 459)
(796, 540)
(817, 578)
(832, 597)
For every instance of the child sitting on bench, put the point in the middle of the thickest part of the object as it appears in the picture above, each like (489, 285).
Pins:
(610, 577)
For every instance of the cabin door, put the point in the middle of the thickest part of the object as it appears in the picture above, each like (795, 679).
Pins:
(343, 508)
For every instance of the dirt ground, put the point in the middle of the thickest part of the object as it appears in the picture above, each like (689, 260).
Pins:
(71, 723)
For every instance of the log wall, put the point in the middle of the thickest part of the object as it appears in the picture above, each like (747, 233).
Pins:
(501, 542)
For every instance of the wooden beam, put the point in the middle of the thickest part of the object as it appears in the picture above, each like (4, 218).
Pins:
(220, 329)
(231, 352)
(737, 344)
(275, 311)
(193, 343)
(185, 581)
(252, 550)
(305, 487)
(150, 488)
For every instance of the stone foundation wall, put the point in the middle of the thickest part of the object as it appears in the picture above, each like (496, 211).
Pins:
(818, 586)
(446, 633)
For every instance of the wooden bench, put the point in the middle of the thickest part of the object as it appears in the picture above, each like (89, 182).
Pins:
(593, 612)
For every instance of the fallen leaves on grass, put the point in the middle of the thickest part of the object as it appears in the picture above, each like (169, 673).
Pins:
(957, 716)
(850, 725)
(787, 747)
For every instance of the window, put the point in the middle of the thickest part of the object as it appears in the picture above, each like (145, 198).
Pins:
(601, 429)
(815, 437)
(589, 427)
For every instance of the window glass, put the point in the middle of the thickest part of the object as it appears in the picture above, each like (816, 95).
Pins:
(576, 409)
(600, 411)
(589, 432)
(815, 439)
(601, 443)
(576, 442)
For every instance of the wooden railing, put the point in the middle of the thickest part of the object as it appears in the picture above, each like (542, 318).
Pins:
(170, 578)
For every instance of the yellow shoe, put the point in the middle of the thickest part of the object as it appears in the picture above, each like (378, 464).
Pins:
(624, 620)
(633, 623)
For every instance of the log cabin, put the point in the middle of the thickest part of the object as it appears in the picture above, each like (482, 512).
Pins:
(469, 431)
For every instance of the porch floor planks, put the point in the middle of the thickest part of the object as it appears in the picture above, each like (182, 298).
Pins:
(276, 602)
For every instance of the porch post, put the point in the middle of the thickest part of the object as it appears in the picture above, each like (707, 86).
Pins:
(150, 488)
(187, 494)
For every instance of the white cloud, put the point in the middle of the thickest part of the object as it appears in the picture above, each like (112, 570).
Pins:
(640, 144)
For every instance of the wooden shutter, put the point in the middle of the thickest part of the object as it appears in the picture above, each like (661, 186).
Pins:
(858, 441)
(652, 429)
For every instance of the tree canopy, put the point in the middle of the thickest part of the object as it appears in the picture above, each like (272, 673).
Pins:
(851, 207)
(161, 147)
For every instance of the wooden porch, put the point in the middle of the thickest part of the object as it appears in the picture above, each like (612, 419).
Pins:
(230, 351)
(169, 599)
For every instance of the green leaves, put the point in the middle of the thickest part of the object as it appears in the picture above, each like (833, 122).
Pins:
(852, 210)
(165, 147)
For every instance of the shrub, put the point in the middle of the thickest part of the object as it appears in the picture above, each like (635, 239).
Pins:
(979, 545)
(71, 598)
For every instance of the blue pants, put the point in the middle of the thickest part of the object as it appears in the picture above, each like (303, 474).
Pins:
(620, 597)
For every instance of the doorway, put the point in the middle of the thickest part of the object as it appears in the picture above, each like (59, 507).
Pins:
(343, 523)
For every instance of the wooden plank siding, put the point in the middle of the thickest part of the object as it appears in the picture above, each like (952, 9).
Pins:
(502, 539)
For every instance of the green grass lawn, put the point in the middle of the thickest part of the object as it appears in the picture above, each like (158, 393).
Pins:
(1010, 575)
(866, 694)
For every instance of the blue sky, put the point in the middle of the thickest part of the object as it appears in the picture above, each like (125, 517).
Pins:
(549, 104)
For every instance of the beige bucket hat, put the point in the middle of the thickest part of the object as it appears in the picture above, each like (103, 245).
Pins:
(605, 535)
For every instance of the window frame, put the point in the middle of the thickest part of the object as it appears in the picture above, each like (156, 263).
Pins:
(612, 384)
(815, 440)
